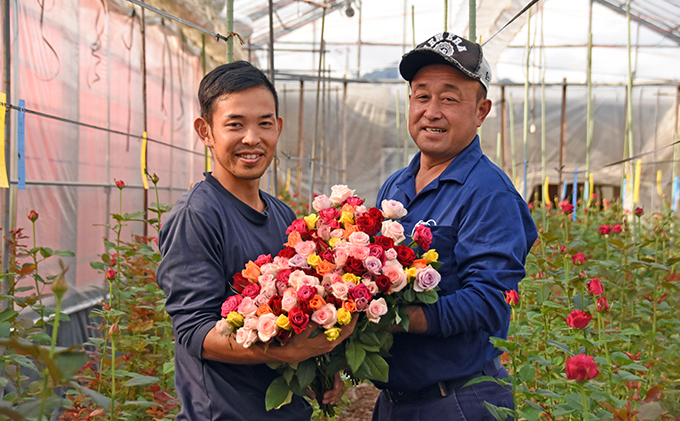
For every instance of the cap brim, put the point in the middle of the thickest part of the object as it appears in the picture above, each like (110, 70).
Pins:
(415, 60)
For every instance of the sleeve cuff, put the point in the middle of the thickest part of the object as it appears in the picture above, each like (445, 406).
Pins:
(195, 345)
(433, 326)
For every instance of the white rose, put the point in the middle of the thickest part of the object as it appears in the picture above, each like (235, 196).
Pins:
(340, 193)
(393, 209)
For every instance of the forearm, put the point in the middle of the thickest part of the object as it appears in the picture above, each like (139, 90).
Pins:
(417, 322)
(227, 350)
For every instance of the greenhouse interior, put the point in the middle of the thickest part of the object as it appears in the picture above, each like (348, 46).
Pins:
(101, 94)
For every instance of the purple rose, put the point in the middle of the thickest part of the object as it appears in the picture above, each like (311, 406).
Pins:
(426, 279)
(373, 264)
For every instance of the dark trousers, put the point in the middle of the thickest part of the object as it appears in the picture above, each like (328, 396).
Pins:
(463, 404)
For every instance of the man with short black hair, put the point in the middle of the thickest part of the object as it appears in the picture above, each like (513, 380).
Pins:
(213, 230)
(482, 231)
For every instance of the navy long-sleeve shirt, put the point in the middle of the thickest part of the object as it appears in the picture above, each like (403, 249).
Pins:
(207, 238)
(483, 231)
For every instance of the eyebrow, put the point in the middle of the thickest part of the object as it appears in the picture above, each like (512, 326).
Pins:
(234, 116)
(448, 86)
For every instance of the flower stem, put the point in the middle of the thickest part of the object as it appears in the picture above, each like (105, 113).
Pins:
(584, 402)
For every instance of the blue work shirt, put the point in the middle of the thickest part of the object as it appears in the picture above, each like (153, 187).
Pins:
(483, 231)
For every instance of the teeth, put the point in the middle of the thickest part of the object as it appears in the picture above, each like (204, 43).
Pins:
(435, 130)
(248, 156)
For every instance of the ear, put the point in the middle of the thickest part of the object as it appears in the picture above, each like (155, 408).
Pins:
(279, 122)
(483, 109)
(203, 130)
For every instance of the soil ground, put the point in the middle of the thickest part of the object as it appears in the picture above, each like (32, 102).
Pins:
(362, 397)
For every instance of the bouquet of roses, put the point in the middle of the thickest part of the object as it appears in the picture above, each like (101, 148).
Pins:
(343, 261)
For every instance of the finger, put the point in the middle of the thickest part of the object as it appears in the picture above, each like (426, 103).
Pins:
(334, 395)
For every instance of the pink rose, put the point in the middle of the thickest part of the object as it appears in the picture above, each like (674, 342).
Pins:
(361, 209)
(393, 209)
(359, 238)
(426, 279)
(266, 327)
(393, 230)
(373, 265)
(329, 214)
(355, 201)
(298, 261)
(224, 328)
(247, 307)
(231, 304)
(246, 337)
(370, 284)
(340, 290)
(340, 193)
(281, 262)
(250, 322)
(324, 231)
(281, 287)
(306, 292)
(260, 300)
(423, 237)
(269, 269)
(394, 272)
(361, 303)
(263, 259)
(266, 279)
(358, 252)
(341, 256)
(305, 248)
(390, 254)
(376, 309)
(289, 299)
(321, 202)
(326, 316)
(360, 291)
(251, 290)
(337, 233)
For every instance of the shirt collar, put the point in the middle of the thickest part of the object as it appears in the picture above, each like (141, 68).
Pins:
(457, 170)
(258, 218)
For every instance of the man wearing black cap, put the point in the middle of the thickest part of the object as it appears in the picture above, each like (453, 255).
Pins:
(482, 230)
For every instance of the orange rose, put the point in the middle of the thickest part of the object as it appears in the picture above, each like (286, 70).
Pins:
(324, 267)
(263, 309)
(350, 229)
(419, 263)
(316, 302)
(293, 238)
(252, 271)
(348, 208)
(349, 305)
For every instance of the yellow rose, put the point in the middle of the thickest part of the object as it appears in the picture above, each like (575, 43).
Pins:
(333, 333)
(350, 277)
(235, 319)
(333, 241)
(344, 317)
(314, 260)
(431, 256)
(283, 322)
(346, 218)
(311, 220)
(411, 272)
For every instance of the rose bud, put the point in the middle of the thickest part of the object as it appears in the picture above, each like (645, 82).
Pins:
(511, 297)
(33, 216)
(581, 368)
(119, 183)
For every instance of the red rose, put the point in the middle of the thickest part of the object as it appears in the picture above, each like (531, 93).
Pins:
(33, 216)
(354, 266)
(581, 368)
(617, 228)
(240, 282)
(284, 336)
(511, 297)
(405, 255)
(639, 211)
(305, 308)
(111, 274)
(377, 214)
(563, 249)
(251, 290)
(298, 319)
(423, 237)
(602, 304)
(298, 225)
(605, 229)
(385, 242)
(283, 276)
(275, 304)
(578, 258)
(332, 224)
(383, 283)
(231, 304)
(263, 260)
(595, 287)
(329, 214)
(120, 184)
(287, 252)
(328, 255)
(360, 291)
(578, 319)
(369, 224)
(335, 301)
(354, 201)
(306, 292)
(566, 207)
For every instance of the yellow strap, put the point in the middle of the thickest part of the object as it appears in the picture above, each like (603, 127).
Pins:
(4, 183)
(208, 161)
(659, 175)
(638, 172)
(288, 180)
(591, 189)
(546, 184)
(142, 162)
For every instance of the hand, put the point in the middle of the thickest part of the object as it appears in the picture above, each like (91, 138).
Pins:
(302, 347)
(334, 395)
(417, 321)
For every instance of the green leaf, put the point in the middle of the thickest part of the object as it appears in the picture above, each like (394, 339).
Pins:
(427, 297)
(355, 355)
(559, 345)
(379, 368)
(46, 252)
(135, 215)
(627, 375)
(306, 372)
(66, 253)
(7, 314)
(634, 366)
(493, 409)
(5, 329)
(527, 373)
(31, 409)
(479, 380)
(574, 401)
(409, 294)
(69, 362)
(278, 394)
(98, 266)
(141, 381)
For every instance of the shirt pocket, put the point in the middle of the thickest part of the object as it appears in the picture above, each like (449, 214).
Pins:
(444, 239)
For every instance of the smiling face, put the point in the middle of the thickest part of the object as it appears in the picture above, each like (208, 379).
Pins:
(243, 136)
(445, 111)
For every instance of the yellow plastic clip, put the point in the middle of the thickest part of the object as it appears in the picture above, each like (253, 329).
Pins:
(638, 172)
(142, 161)
(546, 186)
(659, 176)
(4, 181)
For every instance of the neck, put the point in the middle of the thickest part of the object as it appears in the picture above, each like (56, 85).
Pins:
(247, 191)
(429, 170)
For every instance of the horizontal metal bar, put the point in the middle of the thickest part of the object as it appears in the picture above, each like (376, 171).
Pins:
(83, 184)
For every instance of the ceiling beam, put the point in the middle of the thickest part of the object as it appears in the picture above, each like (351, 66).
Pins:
(661, 31)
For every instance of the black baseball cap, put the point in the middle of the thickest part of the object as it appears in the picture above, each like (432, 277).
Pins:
(447, 48)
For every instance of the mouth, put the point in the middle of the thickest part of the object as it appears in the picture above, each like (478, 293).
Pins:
(434, 130)
(250, 157)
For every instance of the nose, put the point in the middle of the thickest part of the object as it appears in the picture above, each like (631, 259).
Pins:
(433, 110)
(251, 137)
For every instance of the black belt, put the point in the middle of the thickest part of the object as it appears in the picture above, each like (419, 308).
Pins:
(437, 390)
